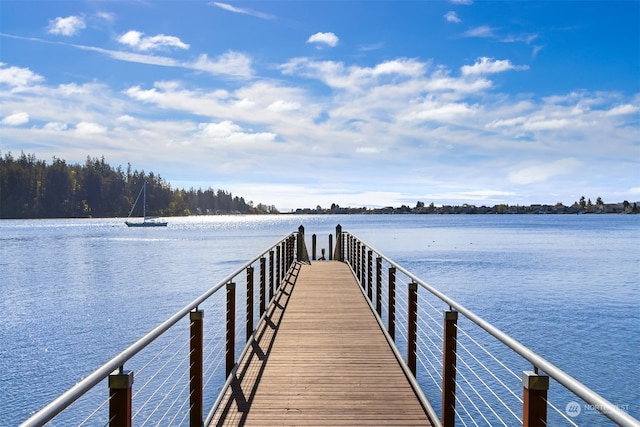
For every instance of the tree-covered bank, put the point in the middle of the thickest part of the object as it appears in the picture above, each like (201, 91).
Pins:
(32, 188)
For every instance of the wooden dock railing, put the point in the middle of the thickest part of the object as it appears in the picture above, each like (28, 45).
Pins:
(356, 339)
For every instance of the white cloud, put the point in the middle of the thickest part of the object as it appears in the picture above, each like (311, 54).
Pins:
(281, 106)
(451, 16)
(107, 16)
(55, 126)
(545, 124)
(68, 26)
(337, 75)
(230, 63)
(87, 128)
(368, 150)
(447, 112)
(486, 65)
(542, 172)
(329, 39)
(461, 1)
(242, 10)
(482, 31)
(623, 109)
(126, 118)
(229, 132)
(139, 41)
(16, 119)
(18, 77)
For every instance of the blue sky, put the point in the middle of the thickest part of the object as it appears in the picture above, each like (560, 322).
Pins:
(359, 103)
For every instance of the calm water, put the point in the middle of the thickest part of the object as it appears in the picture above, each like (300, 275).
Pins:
(73, 293)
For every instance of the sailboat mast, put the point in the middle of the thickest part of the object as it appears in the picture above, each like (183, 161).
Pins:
(144, 200)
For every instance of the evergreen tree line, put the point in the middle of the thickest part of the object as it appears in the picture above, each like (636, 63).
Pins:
(31, 188)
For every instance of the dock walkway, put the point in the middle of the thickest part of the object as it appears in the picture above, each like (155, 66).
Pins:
(320, 358)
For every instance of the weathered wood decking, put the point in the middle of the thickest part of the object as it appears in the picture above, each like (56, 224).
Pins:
(320, 359)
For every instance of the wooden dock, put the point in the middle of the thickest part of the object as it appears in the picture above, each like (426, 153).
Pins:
(320, 358)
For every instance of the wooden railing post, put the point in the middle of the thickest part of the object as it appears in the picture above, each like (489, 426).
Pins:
(534, 405)
(278, 267)
(231, 326)
(379, 285)
(412, 327)
(330, 247)
(363, 265)
(357, 259)
(196, 363)
(449, 368)
(300, 246)
(290, 252)
(313, 247)
(120, 383)
(283, 264)
(339, 244)
(249, 302)
(263, 278)
(352, 252)
(392, 303)
(370, 274)
(270, 275)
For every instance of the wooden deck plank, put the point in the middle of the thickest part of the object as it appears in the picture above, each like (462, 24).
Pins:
(320, 359)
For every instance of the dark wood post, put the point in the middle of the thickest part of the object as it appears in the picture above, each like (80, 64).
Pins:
(249, 302)
(231, 326)
(534, 405)
(270, 275)
(313, 247)
(412, 328)
(357, 259)
(339, 244)
(120, 383)
(300, 248)
(330, 247)
(278, 267)
(379, 285)
(352, 252)
(392, 303)
(363, 266)
(449, 368)
(283, 264)
(263, 278)
(196, 363)
(290, 251)
(370, 275)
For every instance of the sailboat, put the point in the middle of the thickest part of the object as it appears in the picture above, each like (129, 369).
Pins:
(146, 221)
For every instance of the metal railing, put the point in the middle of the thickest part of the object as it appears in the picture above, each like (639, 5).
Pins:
(479, 374)
(179, 366)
